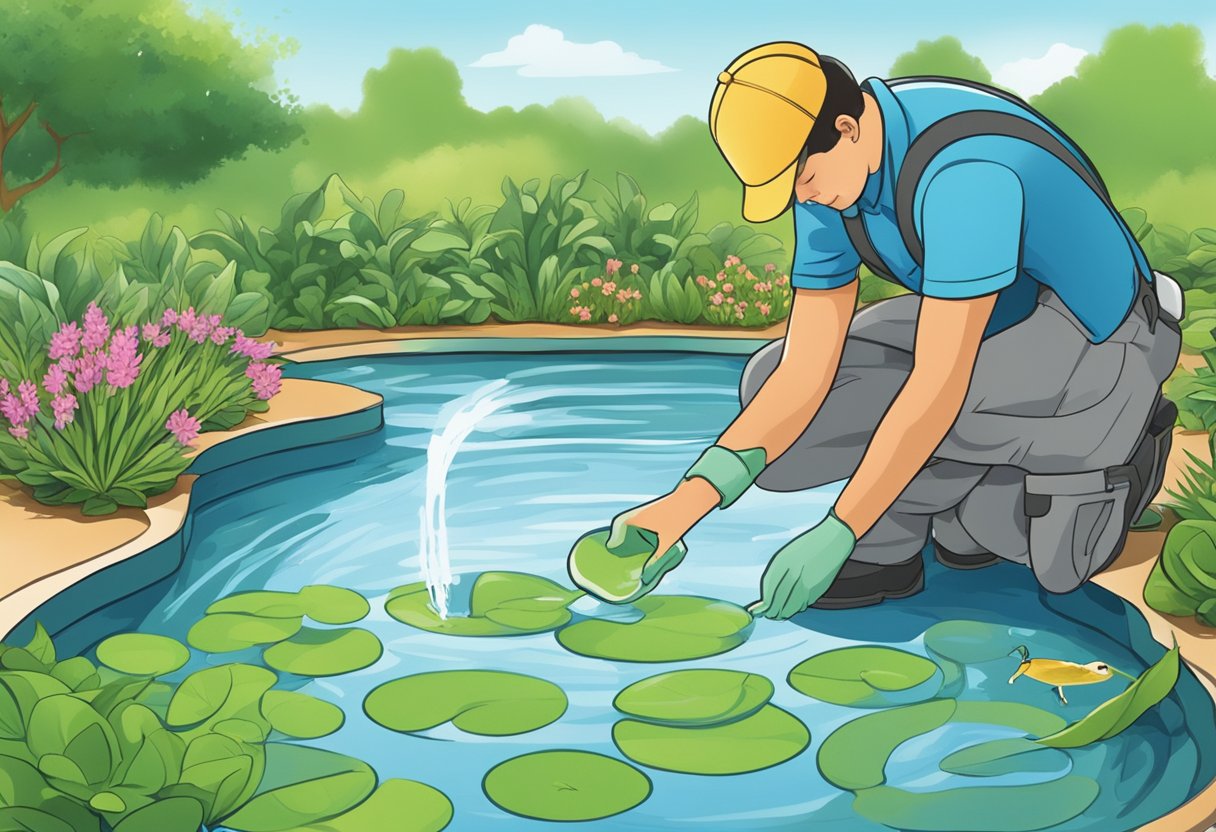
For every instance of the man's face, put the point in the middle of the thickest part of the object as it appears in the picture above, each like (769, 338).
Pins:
(837, 177)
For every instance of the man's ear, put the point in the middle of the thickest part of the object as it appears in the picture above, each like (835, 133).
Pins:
(848, 127)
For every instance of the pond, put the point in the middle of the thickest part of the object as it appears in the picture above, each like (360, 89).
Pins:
(497, 463)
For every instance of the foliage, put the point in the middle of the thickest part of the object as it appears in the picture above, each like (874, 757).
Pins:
(1183, 580)
(944, 56)
(1195, 394)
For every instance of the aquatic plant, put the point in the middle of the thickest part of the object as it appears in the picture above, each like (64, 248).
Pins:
(124, 402)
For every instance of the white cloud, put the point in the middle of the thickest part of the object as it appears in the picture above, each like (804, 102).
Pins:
(1030, 76)
(543, 52)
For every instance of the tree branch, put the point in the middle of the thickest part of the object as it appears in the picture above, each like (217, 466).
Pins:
(8, 198)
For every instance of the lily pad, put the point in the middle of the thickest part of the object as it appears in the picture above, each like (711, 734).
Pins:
(399, 805)
(301, 786)
(997, 757)
(300, 715)
(227, 632)
(265, 603)
(333, 604)
(501, 604)
(487, 702)
(969, 642)
(1115, 715)
(979, 808)
(765, 739)
(672, 628)
(855, 754)
(565, 785)
(325, 652)
(1034, 721)
(860, 676)
(695, 697)
(142, 654)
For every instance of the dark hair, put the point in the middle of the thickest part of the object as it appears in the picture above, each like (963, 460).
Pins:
(843, 98)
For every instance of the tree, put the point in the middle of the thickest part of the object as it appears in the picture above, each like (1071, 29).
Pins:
(131, 91)
(944, 56)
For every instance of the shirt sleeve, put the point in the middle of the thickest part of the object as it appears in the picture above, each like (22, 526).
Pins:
(824, 258)
(971, 220)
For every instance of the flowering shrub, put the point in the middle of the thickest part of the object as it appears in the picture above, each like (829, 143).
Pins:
(734, 296)
(124, 402)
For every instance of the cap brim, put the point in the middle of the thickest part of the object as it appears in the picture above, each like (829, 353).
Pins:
(762, 203)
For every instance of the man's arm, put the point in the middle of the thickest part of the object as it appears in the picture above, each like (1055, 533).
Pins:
(948, 337)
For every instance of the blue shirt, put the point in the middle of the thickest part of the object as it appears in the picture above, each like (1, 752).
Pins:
(995, 214)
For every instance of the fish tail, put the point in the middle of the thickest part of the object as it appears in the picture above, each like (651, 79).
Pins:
(1021, 651)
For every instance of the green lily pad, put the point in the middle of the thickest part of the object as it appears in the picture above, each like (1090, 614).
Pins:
(333, 605)
(142, 654)
(501, 604)
(227, 632)
(997, 757)
(325, 652)
(672, 628)
(565, 785)
(399, 805)
(765, 739)
(969, 642)
(300, 715)
(487, 702)
(859, 676)
(695, 697)
(979, 808)
(1115, 715)
(1034, 721)
(301, 786)
(264, 603)
(855, 754)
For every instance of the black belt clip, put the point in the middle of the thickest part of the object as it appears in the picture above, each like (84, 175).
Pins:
(1147, 296)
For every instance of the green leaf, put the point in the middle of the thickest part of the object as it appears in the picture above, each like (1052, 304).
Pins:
(672, 628)
(142, 654)
(1008, 756)
(1161, 594)
(565, 786)
(263, 603)
(107, 802)
(300, 715)
(333, 605)
(766, 738)
(325, 652)
(65, 725)
(855, 754)
(40, 646)
(227, 632)
(1115, 715)
(695, 697)
(860, 676)
(173, 814)
(969, 642)
(302, 786)
(399, 805)
(217, 693)
(501, 604)
(487, 702)
(979, 808)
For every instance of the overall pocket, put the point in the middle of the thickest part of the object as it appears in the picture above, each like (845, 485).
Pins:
(1077, 524)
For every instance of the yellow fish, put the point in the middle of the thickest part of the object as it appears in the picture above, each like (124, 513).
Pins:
(1060, 674)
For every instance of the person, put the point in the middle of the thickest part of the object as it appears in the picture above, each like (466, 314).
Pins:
(1007, 406)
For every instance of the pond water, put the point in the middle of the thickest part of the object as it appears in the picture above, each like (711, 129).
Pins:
(499, 462)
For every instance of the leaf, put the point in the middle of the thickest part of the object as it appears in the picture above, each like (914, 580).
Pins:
(173, 814)
(300, 715)
(142, 654)
(855, 754)
(565, 785)
(672, 628)
(695, 697)
(399, 805)
(859, 676)
(501, 604)
(216, 693)
(333, 605)
(41, 646)
(64, 725)
(486, 702)
(325, 652)
(229, 632)
(1115, 715)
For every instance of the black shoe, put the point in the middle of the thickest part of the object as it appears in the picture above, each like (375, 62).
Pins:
(956, 561)
(863, 584)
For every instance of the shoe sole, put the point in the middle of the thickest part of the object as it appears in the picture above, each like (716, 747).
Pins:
(953, 564)
(870, 600)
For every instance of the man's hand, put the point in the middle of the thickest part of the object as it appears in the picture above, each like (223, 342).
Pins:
(803, 569)
(663, 521)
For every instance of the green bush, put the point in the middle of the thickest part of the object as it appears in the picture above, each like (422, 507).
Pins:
(1183, 580)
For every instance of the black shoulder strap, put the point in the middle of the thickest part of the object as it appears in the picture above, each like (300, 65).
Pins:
(945, 132)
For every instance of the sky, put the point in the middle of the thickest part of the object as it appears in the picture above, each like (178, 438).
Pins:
(652, 61)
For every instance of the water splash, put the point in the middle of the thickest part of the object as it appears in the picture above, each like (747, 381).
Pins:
(459, 420)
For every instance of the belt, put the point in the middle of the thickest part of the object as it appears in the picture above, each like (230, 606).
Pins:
(1146, 296)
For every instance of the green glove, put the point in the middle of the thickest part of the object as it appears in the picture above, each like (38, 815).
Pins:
(803, 569)
(617, 565)
(729, 472)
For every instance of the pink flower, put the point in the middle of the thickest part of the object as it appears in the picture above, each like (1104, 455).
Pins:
(66, 342)
(720, 276)
(770, 267)
(741, 268)
(574, 292)
(65, 410)
(3, 387)
(742, 304)
(574, 311)
(633, 269)
(701, 281)
(29, 398)
(612, 318)
(54, 379)
(183, 426)
(246, 346)
(584, 314)
(730, 301)
(169, 318)
(221, 334)
(122, 364)
(728, 287)
(764, 308)
(784, 279)
(13, 410)
(266, 378)
(605, 291)
(20, 431)
(596, 281)
(88, 371)
(96, 328)
(731, 260)
(717, 299)
(637, 294)
(150, 331)
(713, 284)
(623, 296)
(610, 286)
(612, 267)
(739, 314)
(750, 276)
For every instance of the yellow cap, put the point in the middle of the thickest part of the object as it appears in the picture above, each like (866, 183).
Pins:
(762, 112)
